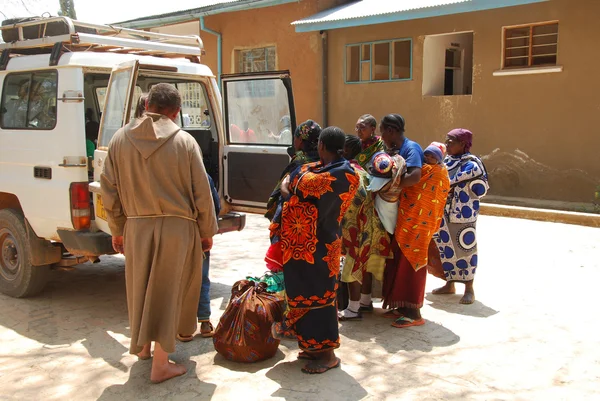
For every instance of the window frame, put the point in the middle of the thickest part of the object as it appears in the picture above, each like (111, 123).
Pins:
(31, 77)
(531, 27)
(238, 54)
(372, 44)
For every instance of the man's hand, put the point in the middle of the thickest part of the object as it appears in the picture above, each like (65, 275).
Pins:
(118, 244)
(207, 244)
(285, 187)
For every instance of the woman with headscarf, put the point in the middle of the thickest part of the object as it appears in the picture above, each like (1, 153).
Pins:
(306, 139)
(366, 129)
(420, 209)
(317, 197)
(457, 240)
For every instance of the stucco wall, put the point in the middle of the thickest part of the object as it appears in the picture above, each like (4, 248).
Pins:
(301, 53)
(538, 133)
(298, 52)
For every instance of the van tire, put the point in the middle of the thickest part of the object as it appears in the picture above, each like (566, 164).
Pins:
(18, 278)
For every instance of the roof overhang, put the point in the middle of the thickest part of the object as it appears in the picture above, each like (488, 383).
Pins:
(367, 12)
(177, 17)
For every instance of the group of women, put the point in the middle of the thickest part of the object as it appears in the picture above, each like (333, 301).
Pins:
(384, 205)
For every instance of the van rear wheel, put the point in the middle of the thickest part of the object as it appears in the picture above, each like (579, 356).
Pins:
(18, 278)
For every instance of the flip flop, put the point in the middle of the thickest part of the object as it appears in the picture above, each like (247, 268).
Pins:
(409, 322)
(184, 338)
(210, 332)
(320, 368)
(392, 314)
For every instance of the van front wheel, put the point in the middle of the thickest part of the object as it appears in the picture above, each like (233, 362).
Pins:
(18, 278)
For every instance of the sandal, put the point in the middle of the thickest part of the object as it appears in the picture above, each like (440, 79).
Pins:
(366, 308)
(392, 314)
(210, 332)
(318, 368)
(404, 321)
(343, 318)
(185, 339)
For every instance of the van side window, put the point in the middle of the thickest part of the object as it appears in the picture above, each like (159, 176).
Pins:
(29, 101)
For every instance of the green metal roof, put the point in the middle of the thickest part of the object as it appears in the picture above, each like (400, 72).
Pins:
(369, 12)
(206, 7)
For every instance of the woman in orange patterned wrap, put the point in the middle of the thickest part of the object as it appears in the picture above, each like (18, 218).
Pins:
(317, 197)
(420, 211)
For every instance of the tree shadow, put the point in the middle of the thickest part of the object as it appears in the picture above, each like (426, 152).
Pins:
(450, 304)
(138, 386)
(294, 384)
(248, 367)
(375, 328)
(89, 305)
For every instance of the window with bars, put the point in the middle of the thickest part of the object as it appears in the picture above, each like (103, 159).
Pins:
(379, 61)
(256, 60)
(530, 46)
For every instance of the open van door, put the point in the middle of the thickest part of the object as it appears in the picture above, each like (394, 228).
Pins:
(259, 120)
(116, 114)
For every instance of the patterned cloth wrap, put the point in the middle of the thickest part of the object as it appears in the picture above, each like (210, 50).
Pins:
(365, 242)
(244, 330)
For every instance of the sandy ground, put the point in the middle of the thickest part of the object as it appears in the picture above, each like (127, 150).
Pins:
(532, 334)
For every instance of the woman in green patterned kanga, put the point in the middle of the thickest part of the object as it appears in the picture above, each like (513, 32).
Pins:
(359, 267)
(366, 127)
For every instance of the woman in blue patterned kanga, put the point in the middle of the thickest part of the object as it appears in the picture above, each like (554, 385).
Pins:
(457, 240)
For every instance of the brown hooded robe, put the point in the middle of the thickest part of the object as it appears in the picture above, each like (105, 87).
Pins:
(156, 194)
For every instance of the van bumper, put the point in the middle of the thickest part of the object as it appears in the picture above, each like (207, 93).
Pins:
(231, 222)
(86, 243)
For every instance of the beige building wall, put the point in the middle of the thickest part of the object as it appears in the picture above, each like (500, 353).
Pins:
(301, 53)
(538, 133)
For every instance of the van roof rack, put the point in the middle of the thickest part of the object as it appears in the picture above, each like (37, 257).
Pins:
(39, 35)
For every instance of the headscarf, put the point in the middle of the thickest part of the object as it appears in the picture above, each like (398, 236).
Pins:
(463, 135)
(435, 151)
(309, 132)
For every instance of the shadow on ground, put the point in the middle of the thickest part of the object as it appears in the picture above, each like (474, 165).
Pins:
(295, 385)
(422, 338)
(248, 367)
(138, 386)
(450, 304)
(88, 305)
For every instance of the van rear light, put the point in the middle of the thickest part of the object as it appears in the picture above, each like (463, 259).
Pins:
(80, 205)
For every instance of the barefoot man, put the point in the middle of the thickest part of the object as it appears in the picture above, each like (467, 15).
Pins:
(161, 215)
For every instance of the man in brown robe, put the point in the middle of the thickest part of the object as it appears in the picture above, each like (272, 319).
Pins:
(160, 211)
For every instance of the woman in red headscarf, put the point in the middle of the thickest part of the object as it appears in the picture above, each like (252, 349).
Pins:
(456, 240)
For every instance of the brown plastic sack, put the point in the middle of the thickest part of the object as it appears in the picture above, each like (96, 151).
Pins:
(244, 331)
(434, 264)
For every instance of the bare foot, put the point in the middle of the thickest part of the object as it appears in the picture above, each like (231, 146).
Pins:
(161, 373)
(319, 366)
(468, 298)
(447, 289)
(145, 353)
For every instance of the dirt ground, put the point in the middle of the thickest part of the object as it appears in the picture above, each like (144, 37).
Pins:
(532, 334)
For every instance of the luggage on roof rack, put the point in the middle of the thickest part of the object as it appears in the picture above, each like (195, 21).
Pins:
(40, 30)
(38, 35)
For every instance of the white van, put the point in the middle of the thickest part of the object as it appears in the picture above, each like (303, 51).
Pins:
(66, 85)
